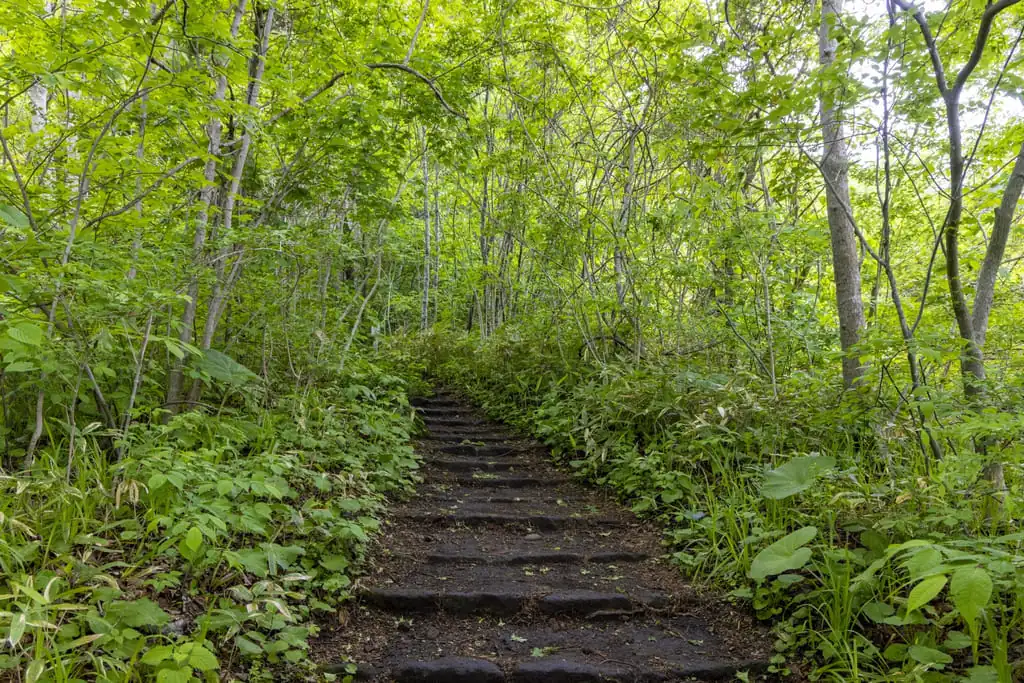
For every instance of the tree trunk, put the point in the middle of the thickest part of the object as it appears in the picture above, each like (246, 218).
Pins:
(176, 377)
(985, 288)
(834, 166)
(425, 308)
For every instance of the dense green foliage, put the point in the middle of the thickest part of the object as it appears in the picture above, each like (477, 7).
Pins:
(216, 535)
(755, 265)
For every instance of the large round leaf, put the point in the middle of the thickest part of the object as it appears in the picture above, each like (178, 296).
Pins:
(786, 554)
(795, 476)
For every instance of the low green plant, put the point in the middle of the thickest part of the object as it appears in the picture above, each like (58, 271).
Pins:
(210, 548)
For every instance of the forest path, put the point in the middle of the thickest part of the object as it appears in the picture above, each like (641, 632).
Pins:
(502, 568)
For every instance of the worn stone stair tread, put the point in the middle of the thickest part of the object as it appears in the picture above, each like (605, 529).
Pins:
(577, 501)
(504, 600)
(456, 421)
(418, 600)
(444, 410)
(456, 437)
(519, 505)
(538, 557)
(643, 648)
(470, 464)
(480, 517)
(483, 452)
(436, 402)
(511, 481)
(470, 541)
(448, 670)
(559, 670)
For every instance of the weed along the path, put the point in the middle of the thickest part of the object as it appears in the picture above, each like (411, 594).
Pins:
(502, 568)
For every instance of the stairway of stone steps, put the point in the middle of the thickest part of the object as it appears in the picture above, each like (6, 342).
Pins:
(502, 568)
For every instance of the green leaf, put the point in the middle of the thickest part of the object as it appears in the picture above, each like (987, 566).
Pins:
(137, 613)
(247, 647)
(982, 674)
(786, 554)
(26, 333)
(795, 476)
(925, 591)
(929, 656)
(202, 659)
(174, 676)
(335, 563)
(956, 640)
(158, 654)
(17, 629)
(922, 562)
(224, 368)
(13, 216)
(20, 366)
(194, 539)
(971, 590)
(35, 671)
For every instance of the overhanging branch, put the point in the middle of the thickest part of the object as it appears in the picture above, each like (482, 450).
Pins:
(430, 83)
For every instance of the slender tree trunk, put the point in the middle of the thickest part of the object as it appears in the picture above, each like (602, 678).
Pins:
(985, 288)
(176, 377)
(218, 297)
(425, 309)
(835, 166)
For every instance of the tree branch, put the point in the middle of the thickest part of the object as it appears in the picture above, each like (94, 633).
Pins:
(142, 195)
(979, 42)
(430, 83)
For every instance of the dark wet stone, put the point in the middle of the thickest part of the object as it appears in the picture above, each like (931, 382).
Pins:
(583, 602)
(448, 670)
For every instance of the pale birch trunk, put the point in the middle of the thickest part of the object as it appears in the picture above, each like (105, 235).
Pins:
(835, 168)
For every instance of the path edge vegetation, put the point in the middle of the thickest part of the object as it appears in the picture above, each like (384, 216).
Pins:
(865, 572)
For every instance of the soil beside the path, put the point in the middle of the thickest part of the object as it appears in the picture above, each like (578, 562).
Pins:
(502, 568)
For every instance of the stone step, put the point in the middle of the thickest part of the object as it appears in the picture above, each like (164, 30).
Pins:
(505, 602)
(448, 670)
(518, 505)
(539, 557)
(472, 464)
(452, 423)
(436, 402)
(569, 650)
(417, 540)
(508, 481)
(445, 411)
(546, 670)
(486, 451)
(529, 521)
(473, 437)
(551, 588)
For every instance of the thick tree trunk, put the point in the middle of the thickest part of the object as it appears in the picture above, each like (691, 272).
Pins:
(834, 166)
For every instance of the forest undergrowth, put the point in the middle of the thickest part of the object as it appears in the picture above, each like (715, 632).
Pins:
(212, 547)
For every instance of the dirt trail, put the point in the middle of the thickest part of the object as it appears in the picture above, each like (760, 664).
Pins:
(502, 568)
